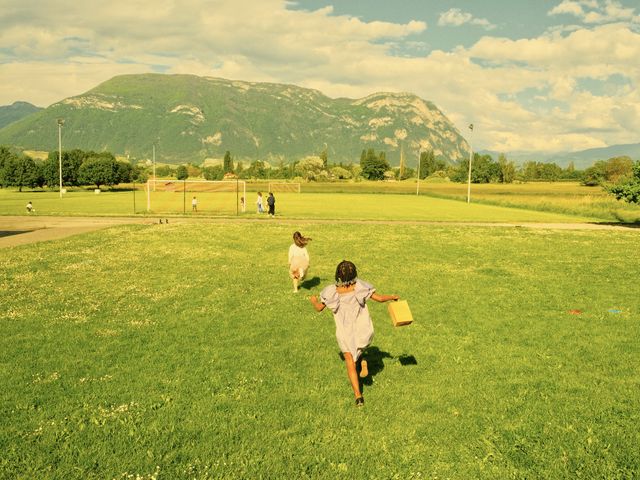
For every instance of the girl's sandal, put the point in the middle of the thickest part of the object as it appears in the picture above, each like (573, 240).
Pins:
(359, 401)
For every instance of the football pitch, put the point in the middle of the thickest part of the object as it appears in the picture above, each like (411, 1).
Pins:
(178, 351)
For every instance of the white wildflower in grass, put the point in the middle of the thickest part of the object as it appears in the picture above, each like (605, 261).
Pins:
(139, 476)
(44, 378)
(107, 332)
(103, 378)
(142, 323)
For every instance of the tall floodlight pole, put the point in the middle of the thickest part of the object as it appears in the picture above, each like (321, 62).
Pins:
(470, 159)
(418, 186)
(60, 124)
(154, 167)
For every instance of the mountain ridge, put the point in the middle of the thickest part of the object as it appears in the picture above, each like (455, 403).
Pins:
(191, 118)
(581, 159)
(16, 111)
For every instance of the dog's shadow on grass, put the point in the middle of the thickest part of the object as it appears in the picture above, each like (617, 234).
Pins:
(311, 283)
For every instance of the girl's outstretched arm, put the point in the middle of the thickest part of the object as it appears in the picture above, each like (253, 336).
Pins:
(319, 306)
(383, 298)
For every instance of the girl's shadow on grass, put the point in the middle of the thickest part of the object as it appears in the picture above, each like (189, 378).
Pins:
(375, 363)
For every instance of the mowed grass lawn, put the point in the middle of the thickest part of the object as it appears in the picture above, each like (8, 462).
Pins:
(179, 351)
(340, 206)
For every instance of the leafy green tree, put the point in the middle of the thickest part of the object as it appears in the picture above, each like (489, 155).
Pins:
(550, 172)
(374, 166)
(139, 174)
(570, 173)
(213, 172)
(483, 170)
(71, 162)
(30, 172)
(164, 171)
(227, 164)
(99, 170)
(6, 165)
(507, 169)
(429, 164)
(256, 169)
(408, 173)
(194, 170)
(125, 170)
(618, 169)
(595, 174)
(310, 168)
(630, 190)
(340, 173)
(324, 156)
(182, 173)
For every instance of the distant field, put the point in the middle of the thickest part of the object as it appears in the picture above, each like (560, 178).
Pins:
(558, 197)
(532, 202)
(178, 351)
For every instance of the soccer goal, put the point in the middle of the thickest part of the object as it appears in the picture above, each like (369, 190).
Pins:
(216, 197)
(284, 187)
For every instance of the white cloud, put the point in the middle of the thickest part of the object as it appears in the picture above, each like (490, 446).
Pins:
(48, 53)
(595, 12)
(43, 83)
(456, 17)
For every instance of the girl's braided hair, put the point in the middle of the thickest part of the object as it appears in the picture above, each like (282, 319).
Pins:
(346, 274)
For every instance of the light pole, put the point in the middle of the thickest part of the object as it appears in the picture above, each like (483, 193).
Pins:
(60, 124)
(470, 159)
(419, 158)
(154, 167)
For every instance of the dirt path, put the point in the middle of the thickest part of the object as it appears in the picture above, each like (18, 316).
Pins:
(20, 230)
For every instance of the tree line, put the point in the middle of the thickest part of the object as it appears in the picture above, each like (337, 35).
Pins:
(79, 167)
(619, 175)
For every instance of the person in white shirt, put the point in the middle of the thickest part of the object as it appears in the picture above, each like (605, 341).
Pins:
(259, 203)
(298, 259)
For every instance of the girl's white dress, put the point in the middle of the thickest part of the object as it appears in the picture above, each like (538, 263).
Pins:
(298, 260)
(354, 328)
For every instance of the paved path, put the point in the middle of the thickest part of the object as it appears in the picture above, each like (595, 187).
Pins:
(20, 230)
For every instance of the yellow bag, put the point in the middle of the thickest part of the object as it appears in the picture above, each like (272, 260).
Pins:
(400, 313)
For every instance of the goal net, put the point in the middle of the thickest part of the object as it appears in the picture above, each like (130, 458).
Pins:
(284, 187)
(216, 197)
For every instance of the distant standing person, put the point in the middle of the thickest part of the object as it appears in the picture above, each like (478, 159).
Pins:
(194, 204)
(30, 207)
(298, 259)
(271, 201)
(259, 203)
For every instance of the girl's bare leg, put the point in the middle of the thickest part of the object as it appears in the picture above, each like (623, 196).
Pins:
(352, 374)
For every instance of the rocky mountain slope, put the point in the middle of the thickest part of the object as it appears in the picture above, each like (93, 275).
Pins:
(191, 118)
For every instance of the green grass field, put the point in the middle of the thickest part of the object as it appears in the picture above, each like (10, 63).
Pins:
(363, 200)
(178, 351)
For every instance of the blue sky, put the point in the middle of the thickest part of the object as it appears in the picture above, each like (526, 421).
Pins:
(546, 75)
